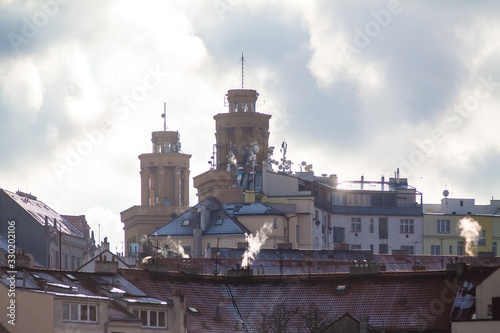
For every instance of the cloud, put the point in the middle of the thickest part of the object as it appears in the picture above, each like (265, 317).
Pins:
(352, 90)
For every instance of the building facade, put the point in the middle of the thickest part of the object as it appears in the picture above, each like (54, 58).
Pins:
(51, 238)
(443, 228)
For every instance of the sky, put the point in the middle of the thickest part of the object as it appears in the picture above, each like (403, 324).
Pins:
(354, 88)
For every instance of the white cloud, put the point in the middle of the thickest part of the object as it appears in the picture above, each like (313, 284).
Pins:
(345, 107)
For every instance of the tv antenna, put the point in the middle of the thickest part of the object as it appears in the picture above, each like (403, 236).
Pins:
(164, 116)
(242, 70)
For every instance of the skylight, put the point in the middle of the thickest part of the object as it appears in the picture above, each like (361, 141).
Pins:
(219, 222)
(341, 287)
(185, 222)
(71, 277)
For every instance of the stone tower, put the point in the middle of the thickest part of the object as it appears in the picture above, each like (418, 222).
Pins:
(164, 190)
(240, 129)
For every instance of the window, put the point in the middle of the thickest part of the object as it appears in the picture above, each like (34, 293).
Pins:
(356, 224)
(80, 312)
(406, 226)
(297, 234)
(338, 199)
(383, 248)
(443, 226)
(338, 235)
(152, 318)
(494, 248)
(482, 238)
(435, 250)
(490, 310)
(275, 224)
(450, 251)
(410, 249)
(383, 230)
(355, 247)
(358, 199)
(461, 203)
(372, 228)
(460, 248)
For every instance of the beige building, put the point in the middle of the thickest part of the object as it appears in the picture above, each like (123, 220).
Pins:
(212, 224)
(442, 232)
(46, 301)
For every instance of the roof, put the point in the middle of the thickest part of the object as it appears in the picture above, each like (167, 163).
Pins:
(105, 252)
(79, 222)
(254, 208)
(293, 262)
(99, 286)
(41, 212)
(219, 222)
(394, 301)
(357, 185)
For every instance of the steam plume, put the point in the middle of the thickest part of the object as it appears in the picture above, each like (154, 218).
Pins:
(178, 248)
(255, 242)
(469, 229)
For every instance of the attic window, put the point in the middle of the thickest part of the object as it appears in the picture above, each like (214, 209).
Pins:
(71, 277)
(185, 222)
(37, 277)
(219, 222)
(341, 287)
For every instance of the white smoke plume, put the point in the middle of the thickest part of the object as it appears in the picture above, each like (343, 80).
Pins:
(255, 242)
(178, 248)
(469, 229)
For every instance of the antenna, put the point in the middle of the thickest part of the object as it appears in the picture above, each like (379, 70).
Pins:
(242, 69)
(164, 116)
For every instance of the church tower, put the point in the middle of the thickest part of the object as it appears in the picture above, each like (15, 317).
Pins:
(240, 130)
(242, 141)
(164, 189)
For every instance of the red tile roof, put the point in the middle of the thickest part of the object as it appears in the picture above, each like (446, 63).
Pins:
(204, 297)
(393, 300)
(79, 222)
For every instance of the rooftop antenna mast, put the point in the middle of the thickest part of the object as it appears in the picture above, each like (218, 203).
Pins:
(164, 116)
(242, 69)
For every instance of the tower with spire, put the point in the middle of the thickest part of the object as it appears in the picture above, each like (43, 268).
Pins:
(242, 140)
(164, 188)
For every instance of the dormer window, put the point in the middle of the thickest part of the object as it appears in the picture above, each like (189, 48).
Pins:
(152, 318)
(85, 313)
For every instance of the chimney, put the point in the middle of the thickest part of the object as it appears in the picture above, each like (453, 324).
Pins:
(363, 323)
(204, 216)
(334, 180)
(104, 266)
(365, 268)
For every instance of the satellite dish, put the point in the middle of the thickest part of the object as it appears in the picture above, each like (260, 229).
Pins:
(446, 193)
(303, 163)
